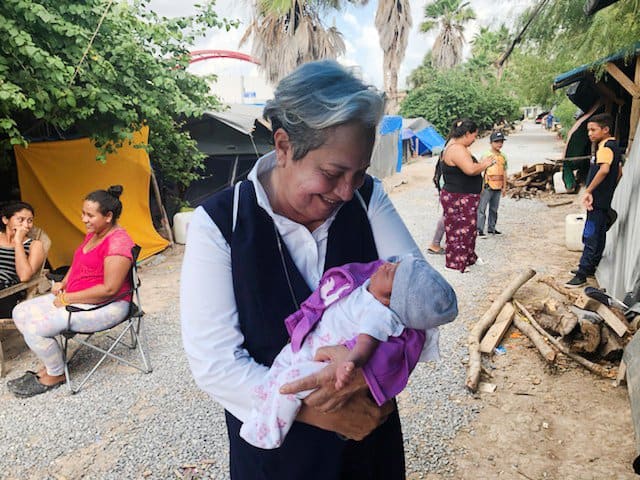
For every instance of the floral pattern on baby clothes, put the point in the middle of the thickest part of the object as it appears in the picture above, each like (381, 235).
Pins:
(460, 224)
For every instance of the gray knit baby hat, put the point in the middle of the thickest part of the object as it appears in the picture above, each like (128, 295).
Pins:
(420, 296)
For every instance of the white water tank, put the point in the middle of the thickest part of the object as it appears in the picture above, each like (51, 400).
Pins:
(573, 227)
(180, 225)
(558, 183)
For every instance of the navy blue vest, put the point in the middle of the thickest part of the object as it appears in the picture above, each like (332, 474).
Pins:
(264, 300)
(603, 194)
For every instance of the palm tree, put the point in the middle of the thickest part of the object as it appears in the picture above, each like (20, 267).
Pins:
(393, 21)
(450, 16)
(287, 33)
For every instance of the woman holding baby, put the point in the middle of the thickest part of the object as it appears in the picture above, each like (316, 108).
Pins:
(256, 251)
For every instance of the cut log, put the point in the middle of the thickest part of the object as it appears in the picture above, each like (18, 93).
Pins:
(547, 352)
(589, 339)
(593, 367)
(610, 347)
(473, 374)
(550, 306)
(498, 329)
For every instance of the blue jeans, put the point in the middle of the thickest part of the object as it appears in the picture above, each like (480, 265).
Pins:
(489, 198)
(594, 237)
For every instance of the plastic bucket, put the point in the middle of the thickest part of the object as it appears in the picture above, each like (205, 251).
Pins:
(573, 227)
(558, 183)
(180, 225)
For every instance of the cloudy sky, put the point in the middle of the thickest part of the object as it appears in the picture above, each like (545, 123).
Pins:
(356, 24)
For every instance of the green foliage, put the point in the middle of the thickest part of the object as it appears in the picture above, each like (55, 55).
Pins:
(565, 113)
(133, 74)
(448, 95)
(487, 46)
(562, 37)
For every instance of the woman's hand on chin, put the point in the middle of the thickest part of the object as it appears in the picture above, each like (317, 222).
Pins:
(325, 397)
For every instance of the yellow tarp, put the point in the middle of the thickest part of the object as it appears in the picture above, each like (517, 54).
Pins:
(56, 176)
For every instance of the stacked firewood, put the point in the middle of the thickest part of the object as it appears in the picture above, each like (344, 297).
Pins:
(572, 323)
(531, 180)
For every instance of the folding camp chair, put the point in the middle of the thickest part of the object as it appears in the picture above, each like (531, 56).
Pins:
(37, 285)
(131, 324)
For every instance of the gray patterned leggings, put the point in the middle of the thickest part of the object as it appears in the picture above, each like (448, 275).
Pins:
(40, 321)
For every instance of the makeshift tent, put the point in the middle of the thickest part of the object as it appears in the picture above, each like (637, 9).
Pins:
(232, 140)
(619, 270)
(422, 136)
(618, 93)
(56, 176)
(387, 151)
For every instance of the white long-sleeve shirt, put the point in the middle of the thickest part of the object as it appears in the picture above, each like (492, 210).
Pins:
(210, 326)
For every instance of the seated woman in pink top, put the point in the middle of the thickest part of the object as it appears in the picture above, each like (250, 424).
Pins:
(98, 273)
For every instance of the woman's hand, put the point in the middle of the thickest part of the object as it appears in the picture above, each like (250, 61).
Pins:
(487, 162)
(20, 234)
(57, 302)
(355, 420)
(326, 398)
(57, 287)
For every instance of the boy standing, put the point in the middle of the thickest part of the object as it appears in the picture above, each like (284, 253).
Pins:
(495, 185)
(604, 173)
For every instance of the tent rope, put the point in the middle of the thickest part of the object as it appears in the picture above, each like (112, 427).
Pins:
(86, 51)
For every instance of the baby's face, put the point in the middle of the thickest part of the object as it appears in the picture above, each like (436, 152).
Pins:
(382, 282)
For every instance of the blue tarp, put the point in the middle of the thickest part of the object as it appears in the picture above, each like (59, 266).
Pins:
(428, 138)
(419, 131)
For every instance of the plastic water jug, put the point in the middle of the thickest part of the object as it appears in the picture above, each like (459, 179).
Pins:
(180, 226)
(574, 224)
(558, 183)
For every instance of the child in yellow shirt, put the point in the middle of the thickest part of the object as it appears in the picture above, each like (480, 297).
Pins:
(495, 185)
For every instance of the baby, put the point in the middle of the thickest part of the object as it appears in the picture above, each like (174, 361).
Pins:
(407, 294)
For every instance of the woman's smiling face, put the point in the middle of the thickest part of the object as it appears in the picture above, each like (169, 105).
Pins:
(313, 187)
(93, 219)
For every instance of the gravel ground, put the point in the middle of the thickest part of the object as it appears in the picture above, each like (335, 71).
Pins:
(125, 424)
(136, 425)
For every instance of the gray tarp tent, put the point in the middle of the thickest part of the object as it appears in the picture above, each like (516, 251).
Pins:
(619, 270)
(232, 140)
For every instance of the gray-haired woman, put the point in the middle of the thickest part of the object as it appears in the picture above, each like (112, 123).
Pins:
(257, 250)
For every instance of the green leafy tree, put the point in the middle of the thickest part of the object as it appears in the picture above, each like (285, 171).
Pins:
(452, 94)
(450, 17)
(103, 69)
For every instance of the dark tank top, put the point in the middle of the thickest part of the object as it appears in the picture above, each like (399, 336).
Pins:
(456, 181)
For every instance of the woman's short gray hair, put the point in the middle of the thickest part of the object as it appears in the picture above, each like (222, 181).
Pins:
(318, 96)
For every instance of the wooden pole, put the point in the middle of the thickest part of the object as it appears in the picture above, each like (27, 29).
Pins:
(593, 367)
(163, 212)
(573, 296)
(473, 375)
(548, 353)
